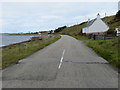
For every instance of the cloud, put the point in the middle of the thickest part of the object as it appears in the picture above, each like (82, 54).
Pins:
(26, 16)
(50, 17)
(59, 1)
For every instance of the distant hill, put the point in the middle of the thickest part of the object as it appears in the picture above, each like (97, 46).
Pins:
(113, 22)
(73, 29)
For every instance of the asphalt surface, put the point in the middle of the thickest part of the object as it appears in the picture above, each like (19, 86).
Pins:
(67, 63)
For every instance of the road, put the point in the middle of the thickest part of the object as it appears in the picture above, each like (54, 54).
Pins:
(67, 63)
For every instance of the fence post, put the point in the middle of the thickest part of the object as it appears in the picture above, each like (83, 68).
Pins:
(94, 36)
(104, 37)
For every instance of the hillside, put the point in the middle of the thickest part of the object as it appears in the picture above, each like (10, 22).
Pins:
(108, 49)
(73, 29)
(112, 23)
(76, 29)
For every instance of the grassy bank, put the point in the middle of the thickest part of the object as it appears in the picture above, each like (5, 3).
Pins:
(108, 49)
(14, 53)
(73, 30)
(79, 37)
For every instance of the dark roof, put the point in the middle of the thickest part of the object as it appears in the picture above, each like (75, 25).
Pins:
(90, 22)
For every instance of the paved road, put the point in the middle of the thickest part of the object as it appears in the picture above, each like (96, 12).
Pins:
(67, 63)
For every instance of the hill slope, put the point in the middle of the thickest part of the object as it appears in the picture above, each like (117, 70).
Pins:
(76, 29)
(108, 49)
(73, 29)
(112, 23)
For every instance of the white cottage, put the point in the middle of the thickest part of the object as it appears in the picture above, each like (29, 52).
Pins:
(95, 26)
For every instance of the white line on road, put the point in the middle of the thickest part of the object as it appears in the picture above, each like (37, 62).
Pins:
(61, 59)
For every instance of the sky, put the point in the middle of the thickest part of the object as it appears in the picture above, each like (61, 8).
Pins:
(17, 17)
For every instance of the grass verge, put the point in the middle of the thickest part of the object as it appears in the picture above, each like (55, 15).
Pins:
(79, 37)
(108, 49)
(14, 53)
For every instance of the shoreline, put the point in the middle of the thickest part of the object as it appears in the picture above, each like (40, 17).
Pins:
(15, 44)
(21, 34)
(23, 41)
(11, 54)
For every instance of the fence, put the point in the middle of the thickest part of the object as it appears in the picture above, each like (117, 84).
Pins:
(101, 37)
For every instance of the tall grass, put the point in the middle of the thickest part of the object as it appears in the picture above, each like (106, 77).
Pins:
(73, 30)
(79, 37)
(14, 53)
(108, 49)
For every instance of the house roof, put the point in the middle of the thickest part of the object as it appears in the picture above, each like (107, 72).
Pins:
(92, 21)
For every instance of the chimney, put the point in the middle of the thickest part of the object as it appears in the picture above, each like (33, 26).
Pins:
(88, 20)
(105, 14)
(98, 16)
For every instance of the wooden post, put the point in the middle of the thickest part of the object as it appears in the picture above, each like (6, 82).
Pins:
(94, 36)
(104, 36)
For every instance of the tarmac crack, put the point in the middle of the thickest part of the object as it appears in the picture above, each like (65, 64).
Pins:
(88, 62)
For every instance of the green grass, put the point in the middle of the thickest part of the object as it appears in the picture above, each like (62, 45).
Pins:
(108, 49)
(14, 53)
(112, 23)
(108, 18)
(73, 30)
(79, 37)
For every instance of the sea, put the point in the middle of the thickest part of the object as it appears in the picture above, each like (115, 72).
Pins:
(12, 39)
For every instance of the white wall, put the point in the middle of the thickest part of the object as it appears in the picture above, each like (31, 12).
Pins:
(84, 30)
(98, 26)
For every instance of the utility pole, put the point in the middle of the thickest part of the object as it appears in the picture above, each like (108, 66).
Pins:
(105, 14)
(118, 5)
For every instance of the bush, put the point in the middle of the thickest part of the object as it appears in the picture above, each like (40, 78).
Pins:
(60, 29)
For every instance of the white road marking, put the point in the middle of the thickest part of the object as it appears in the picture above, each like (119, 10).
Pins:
(61, 59)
